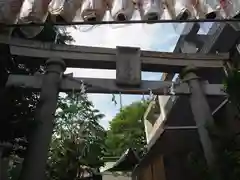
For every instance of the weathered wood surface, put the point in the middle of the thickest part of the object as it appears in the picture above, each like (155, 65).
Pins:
(128, 66)
(193, 36)
(96, 85)
(222, 38)
(236, 55)
(105, 58)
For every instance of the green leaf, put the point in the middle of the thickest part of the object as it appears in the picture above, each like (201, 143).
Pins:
(126, 131)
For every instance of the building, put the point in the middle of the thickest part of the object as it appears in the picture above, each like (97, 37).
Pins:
(121, 169)
(172, 134)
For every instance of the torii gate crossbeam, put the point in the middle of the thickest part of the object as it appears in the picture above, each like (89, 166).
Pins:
(105, 58)
(108, 86)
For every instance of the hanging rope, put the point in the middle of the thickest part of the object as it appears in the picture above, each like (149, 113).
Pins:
(168, 89)
(120, 100)
(114, 99)
(143, 98)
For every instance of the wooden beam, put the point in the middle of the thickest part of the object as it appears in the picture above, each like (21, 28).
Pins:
(95, 85)
(105, 58)
(222, 38)
(235, 55)
(220, 106)
(192, 34)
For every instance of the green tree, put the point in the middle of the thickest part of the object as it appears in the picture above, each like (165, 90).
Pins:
(78, 139)
(18, 108)
(127, 130)
(18, 105)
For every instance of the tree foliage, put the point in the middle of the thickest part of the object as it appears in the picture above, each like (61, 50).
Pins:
(78, 139)
(18, 104)
(232, 86)
(230, 149)
(127, 130)
(18, 108)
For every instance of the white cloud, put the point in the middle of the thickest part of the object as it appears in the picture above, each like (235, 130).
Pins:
(105, 36)
(138, 35)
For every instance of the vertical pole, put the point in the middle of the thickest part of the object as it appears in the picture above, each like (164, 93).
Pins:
(35, 161)
(1, 159)
(201, 113)
(5, 61)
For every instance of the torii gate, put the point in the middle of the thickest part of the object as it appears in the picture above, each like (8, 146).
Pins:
(128, 62)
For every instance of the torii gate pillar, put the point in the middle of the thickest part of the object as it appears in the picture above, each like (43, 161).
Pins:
(35, 160)
(201, 113)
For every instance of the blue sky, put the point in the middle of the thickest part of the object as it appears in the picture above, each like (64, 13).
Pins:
(155, 37)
